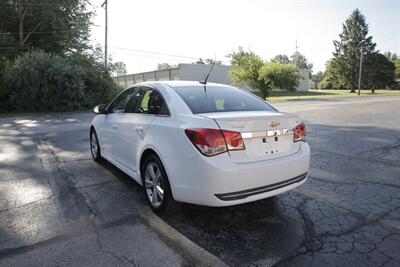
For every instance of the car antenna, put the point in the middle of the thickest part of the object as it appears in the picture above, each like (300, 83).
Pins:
(208, 75)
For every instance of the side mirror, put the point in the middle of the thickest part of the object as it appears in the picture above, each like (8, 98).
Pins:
(100, 109)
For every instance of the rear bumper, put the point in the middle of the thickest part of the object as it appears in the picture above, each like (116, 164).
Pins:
(260, 190)
(218, 181)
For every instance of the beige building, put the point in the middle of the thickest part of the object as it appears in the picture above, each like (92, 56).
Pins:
(193, 72)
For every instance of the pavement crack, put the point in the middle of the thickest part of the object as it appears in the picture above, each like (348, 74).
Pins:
(354, 184)
(73, 189)
(393, 163)
(28, 204)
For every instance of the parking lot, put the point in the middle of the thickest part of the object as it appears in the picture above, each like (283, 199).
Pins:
(58, 207)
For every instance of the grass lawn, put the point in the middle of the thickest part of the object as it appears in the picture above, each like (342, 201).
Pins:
(322, 94)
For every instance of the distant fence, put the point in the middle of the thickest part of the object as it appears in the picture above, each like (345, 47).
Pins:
(157, 75)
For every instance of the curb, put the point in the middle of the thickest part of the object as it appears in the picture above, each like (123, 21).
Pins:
(196, 254)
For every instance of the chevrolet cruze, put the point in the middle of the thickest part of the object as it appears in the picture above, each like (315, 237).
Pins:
(201, 143)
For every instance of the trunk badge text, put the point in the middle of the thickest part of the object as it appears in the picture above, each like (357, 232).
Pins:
(274, 124)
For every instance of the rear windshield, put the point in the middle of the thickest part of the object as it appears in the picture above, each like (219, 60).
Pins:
(220, 99)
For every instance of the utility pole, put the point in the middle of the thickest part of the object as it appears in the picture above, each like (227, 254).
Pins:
(105, 5)
(359, 75)
(296, 46)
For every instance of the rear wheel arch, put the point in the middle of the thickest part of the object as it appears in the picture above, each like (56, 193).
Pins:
(145, 154)
(92, 129)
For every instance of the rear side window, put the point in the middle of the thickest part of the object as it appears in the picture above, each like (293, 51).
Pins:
(220, 99)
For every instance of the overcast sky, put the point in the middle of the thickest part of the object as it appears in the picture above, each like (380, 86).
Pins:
(144, 33)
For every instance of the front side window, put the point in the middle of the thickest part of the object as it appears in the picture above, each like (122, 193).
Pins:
(211, 98)
(149, 101)
(120, 104)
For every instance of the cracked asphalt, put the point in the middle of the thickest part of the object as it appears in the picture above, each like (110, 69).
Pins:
(58, 207)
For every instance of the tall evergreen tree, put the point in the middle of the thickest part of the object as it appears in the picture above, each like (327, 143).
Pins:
(379, 72)
(354, 36)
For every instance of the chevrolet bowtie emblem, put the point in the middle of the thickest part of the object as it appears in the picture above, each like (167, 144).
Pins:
(274, 124)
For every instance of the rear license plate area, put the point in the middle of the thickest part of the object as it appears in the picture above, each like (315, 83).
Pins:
(271, 144)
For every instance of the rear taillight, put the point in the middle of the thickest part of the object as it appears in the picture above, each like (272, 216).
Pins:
(299, 133)
(211, 142)
(234, 140)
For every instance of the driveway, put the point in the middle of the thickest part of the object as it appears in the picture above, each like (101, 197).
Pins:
(58, 207)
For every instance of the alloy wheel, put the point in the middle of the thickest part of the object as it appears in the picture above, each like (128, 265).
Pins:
(154, 184)
(93, 145)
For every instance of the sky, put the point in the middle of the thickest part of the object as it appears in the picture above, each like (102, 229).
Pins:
(144, 33)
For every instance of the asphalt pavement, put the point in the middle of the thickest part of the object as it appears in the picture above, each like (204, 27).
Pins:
(58, 207)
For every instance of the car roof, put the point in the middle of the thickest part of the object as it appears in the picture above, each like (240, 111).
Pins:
(190, 84)
(180, 83)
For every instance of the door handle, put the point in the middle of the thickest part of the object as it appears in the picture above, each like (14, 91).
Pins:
(115, 126)
(139, 131)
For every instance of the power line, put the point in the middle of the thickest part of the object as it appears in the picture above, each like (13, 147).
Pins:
(178, 59)
(154, 53)
(148, 56)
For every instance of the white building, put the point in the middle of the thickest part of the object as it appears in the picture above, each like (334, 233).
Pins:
(304, 84)
(192, 72)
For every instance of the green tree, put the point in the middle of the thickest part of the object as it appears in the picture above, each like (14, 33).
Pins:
(397, 66)
(164, 66)
(301, 61)
(245, 72)
(99, 86)
(38, 81)
(4, 93)
(282, 59)
(59, 27)
(396, 61)
(354, 36)
(119, 68)
(391, 56)
(280, 76)
(331, 79)
(318, 76)
(379, 72)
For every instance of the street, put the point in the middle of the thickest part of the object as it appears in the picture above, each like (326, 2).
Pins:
(59, 207)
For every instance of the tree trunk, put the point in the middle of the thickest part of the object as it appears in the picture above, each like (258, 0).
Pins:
(21, 17)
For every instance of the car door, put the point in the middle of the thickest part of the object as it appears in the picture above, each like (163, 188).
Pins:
(110, 133)
(146, 104)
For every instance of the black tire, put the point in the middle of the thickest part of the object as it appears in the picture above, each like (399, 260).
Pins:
(166, 202)
(96, 153)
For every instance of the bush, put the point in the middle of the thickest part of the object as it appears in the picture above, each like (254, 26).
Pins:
(4, 93)
(38, 81)
(44, 82)
(100, 87)
(280, 76)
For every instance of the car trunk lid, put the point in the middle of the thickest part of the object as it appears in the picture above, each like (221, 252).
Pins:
(266, 134)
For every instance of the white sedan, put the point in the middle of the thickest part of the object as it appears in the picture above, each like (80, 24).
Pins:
(207, 144)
